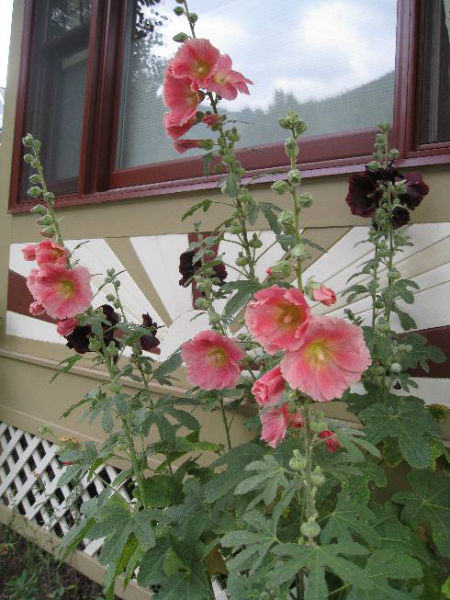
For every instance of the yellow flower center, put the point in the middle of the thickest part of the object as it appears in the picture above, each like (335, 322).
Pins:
(221, 78)
(200, 68)
(65, 288)
(318, 352)
(217, 357)
(289, 316)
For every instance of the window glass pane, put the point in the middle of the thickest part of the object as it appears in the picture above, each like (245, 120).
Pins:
(330, 60)
(57, 87)
(435, 118)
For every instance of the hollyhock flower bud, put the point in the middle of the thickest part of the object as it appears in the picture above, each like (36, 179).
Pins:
(277, 318)
(212, 120)
(297, 462)
(212, 361)
(183, 145)
(325, 295)
(36, 309)
(330, 440)
(310, 529)
(331, 355)
(268, 389)
(269, 271)
(29, 252)
(66, 326)
(297, 421)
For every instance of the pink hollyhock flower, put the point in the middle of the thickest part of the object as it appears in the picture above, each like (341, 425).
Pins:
(66, 326)
(29, 252)
(49, 251)
(277, 318)
(179, 96)
(36, 309)
(211, 120)
(330, 440)
(212, 361)
(183, 145)
(275, 423)
(225, 82)
(31, 283)
(62, 292)
(324, 294)
(269, 388)
(173, 129)
(196, 60)
(332, 355)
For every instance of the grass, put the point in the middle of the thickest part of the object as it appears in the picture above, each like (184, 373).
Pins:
(27, 572)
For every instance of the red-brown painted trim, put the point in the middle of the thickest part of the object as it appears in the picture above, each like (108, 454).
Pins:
(440, 337)
(20, 298)
(21, 102)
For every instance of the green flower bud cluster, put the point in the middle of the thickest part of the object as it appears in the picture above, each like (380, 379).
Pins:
(298, 461)
(310, 529)
(286, 220)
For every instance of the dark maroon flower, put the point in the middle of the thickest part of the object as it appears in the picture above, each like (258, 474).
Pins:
(78, 340)
(363, 197)
(188, 269)
(108, 329)
(416, 189)
(150, 342)
(400, 216)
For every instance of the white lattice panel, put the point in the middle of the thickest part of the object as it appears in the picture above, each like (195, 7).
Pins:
(29, 472)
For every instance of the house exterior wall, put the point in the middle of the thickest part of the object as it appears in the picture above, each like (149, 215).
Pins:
(27, 399)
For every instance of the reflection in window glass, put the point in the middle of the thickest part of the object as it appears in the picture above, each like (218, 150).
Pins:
(57, 87)
(435, 119)
(330, 60)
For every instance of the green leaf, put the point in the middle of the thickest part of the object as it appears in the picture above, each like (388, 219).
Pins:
(240, 299)
(421, 352)
(236, 460)
(68, 364)
(383, 566)
(74, 537)
(268, 210)
(161, 491)
(317, 559)
(168, 366)
(347, 520)
(406, 321)
(407, 420)
(428, 503)
(270, 476)
(204, 205)
(190, 580)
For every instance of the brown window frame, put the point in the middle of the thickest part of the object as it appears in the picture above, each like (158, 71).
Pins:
(333, 154)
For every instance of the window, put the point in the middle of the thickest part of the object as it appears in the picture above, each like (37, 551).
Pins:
(91, 75)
